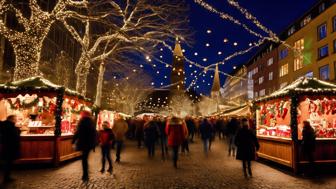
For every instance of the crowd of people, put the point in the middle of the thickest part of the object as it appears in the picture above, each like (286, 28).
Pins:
(172, 133)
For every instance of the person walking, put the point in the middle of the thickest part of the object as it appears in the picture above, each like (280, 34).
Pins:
(191, 128)
(206, 134)
(119, 130)
(247, 144)
(163, 137)
(105, 140)
(176, 131)
(151, 133)
(232, 129)
(308, 147)
(10, 139)
(85, 139)
(139, 124)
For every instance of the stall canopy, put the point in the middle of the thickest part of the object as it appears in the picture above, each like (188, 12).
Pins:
(36, 83)
(303, 85)
(241, 112)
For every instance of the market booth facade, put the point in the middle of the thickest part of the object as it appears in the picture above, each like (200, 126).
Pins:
(280, 119)
(47, 116)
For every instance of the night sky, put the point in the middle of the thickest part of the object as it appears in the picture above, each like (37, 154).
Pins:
(210, 28)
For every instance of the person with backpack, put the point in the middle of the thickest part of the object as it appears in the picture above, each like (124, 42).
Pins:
(105, 140)
(177, 132)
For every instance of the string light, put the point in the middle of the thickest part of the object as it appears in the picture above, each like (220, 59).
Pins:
(209, 31)
(195, 53)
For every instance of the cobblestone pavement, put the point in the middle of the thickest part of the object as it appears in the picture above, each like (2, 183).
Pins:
(195, 171)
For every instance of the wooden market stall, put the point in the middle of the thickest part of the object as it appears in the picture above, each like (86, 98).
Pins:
(47, 116)
(280, 119)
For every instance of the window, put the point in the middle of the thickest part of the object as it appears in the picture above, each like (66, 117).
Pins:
(291, 30)
(306, 20)
(309, 74)
(255, 94)
(322, 31)
(262, 92)
(323, 51)
(335, 46)
(324, 72)
(298, 63)
(261, 80)
(283, 70)
(298, 55)
(321, 7)
(283, 53)
(334, 23)
(250, 74)
(270, 76)
(270, 61)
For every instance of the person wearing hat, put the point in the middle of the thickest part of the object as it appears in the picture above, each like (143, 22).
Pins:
(105, 141)
(85, 139)
(177, 132)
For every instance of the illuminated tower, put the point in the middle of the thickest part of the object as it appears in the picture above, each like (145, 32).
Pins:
(215, 90)
(177, 74)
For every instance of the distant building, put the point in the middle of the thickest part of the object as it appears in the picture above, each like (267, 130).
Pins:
(234, 90)
(215, 90)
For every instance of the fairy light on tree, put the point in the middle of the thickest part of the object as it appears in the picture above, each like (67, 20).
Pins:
(27, 41)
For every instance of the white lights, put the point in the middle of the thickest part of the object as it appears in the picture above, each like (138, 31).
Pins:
(234, 67)
(205, 59)
(226, 40)
(195, 53)
(235, 43)
(209, 31)
(207, 44)
(219, 52)
(250, 44)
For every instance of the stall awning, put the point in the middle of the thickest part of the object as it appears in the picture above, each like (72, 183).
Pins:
(303, 84)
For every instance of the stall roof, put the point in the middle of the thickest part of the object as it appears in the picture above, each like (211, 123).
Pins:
(303, 84)
(38, 83)
(243, 111)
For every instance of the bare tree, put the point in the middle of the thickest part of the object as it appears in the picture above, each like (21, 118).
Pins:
(125, 91)
(134, 26)
(181, 105)
(33, 27)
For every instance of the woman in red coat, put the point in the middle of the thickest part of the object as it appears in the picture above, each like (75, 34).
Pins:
(177, 132)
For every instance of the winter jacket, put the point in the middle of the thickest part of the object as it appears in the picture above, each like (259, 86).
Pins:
(247, 144)
(10, 140)
(151, 132)
(86, 135)
(308, 139)
(106, 137)
(177, 132)
(119, 129)
(206, 130)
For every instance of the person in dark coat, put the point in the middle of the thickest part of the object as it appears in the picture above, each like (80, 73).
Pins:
(176, 131)
(105, 141)
(232, 129)
(85, 139)
(163, 137)
(10, 138)
(206, 132)
(308, 146)
(139, 124)
(191, 128)
(247, 144)
(151, 133)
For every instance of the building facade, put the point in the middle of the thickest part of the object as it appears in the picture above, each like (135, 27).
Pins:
(262, 72)
(309, 49)
(234, 90)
